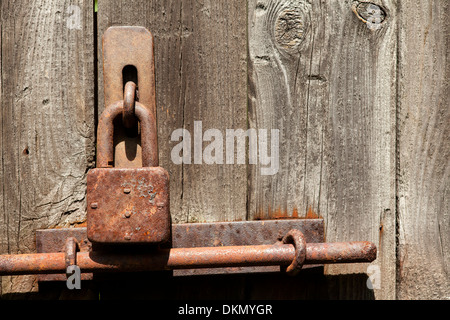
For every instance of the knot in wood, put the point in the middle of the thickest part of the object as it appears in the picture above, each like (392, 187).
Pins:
(291, 27)
(371, 14)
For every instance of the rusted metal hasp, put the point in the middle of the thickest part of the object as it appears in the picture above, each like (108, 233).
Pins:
(129, 75)
(218, 246)
(195, 235)
(125, 46)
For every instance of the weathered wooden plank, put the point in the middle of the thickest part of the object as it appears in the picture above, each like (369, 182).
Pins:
(327, 80)
(424, 151)
(200, 57)
(214, 82)
(47, 120)
(1, 148)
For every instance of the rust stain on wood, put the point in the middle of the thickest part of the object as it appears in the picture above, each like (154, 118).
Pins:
(279, 213)
(312, 215)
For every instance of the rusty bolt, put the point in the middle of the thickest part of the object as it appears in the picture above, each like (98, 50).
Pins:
(94, 205)
(127, 214)
(127, 190)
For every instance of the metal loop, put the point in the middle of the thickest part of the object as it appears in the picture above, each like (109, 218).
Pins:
(129, 99)
(105, 135)
(70, 251)
(296, 238)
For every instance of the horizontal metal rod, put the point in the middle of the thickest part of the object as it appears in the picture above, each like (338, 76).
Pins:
(189, 258)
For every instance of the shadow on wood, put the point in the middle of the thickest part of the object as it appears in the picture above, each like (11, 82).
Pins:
(311, 284)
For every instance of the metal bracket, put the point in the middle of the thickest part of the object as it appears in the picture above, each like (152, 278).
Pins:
(128, 55)
(129, 46)
(198, 235)
(243, 233)
(289, 255)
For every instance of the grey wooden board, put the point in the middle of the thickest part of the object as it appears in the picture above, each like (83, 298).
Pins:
(47, 121)
(324, 79)
(424, 150)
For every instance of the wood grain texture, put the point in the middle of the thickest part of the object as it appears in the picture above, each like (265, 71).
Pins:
(47, 121)
(214, 78)
(358, 91)
(424, 151)
(200, 53)
(320, 75)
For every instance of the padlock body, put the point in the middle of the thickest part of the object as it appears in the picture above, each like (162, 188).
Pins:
(128, 206)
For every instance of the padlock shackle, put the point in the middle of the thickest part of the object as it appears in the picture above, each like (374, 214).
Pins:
(105, 135)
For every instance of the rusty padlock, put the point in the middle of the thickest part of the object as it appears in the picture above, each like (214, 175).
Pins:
(128, 205)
